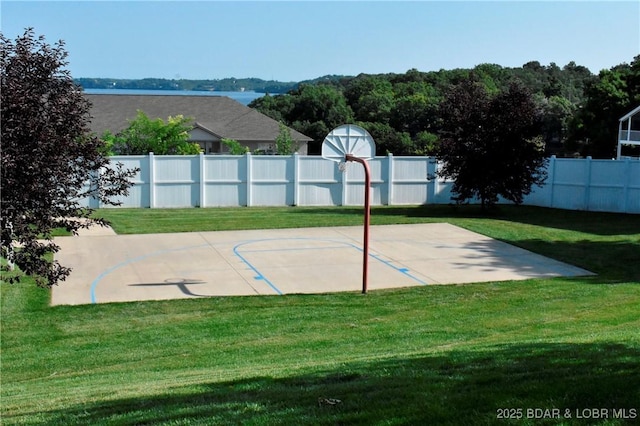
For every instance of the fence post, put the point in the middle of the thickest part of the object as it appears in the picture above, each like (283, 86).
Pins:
(625, 191)
(436, 180)
(551, 177)
(390, 165)
(587, 186)
(94, 185)
(152, 180)
(296, 178)
(432, 181)
(249, 174)
(343, 176)
(202, 200)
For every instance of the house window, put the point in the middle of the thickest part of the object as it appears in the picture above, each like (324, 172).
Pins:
(266, 148)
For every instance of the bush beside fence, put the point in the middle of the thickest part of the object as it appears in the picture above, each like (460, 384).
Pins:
(251, 180)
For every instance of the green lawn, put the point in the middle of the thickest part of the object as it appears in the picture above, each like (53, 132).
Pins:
(456, 354)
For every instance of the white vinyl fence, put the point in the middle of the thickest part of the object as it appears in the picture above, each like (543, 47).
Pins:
(266, 180)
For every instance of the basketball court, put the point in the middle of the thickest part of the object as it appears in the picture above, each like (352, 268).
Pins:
(124, 268)
(112, 268)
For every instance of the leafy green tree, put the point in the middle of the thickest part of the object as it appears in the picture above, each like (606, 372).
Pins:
(317, 109)
(611, 95)
(574, 78)
(556, 113)
(389, 140)
(492, 76)
(285, 145)
(554, 85)
(371, 98)
(277, 107)
(145, 135)
(426, 143)
(489, 145)
(408, 103)
(416, 107)
(234, 147)
(48, 157)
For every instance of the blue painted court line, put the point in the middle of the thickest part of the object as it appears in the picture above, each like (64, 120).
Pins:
(294, 249)
(404, 271)
(261, 276)
(95, 282)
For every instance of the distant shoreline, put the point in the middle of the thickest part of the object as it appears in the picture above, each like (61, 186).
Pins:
(244, 97)
(222, 85)
(169, 90)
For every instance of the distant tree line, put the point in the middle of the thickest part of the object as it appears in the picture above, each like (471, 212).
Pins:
(576, 113)
(219, 85)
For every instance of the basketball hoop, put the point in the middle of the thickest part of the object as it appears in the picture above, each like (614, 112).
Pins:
(348, 143)
(348, 139)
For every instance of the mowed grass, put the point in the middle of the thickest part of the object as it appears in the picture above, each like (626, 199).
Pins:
(457, 354)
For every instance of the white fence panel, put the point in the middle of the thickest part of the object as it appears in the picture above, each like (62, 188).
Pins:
(319, 182)
(542, 195)
(88, 201)
(412, 180)
(569, 187)
(632, 189)
(212, 181)
(225, 181)
(272, 180)
(443, 194)
(140, 192)
(606, 186)
(355, 180)
(177, 181)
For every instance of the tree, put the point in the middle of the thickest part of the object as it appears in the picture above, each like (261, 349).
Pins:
(145, 135)
(489, 144)
(234, 147)
(425, 143)
(594, 129)
(285, 145)
(492, 76)
(556, 114)
(277, 107)
(371, 98)
(389, 140)
(416, 107)
(317, 110)
(48, 157)
(409, 103)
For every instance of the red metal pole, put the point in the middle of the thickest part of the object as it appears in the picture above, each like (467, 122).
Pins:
(367, 215)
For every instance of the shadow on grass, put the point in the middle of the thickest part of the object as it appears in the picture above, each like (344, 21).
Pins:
(612, 261)
(455, 388)
(596, 223)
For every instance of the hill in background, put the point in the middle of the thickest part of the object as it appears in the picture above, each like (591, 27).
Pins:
(219, 85)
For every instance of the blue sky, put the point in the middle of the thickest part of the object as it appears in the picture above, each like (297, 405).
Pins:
(299, 40)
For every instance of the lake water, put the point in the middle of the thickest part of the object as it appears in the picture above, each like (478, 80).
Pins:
(243, 97)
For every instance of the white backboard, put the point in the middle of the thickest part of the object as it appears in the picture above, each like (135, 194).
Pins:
(348, 139)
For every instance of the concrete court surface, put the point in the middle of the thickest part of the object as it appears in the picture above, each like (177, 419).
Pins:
(120, 268)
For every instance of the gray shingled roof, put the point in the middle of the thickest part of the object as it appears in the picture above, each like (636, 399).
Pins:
(220, 115)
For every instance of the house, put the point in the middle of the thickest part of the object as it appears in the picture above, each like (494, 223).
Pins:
(214, 118)
(629, 130)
